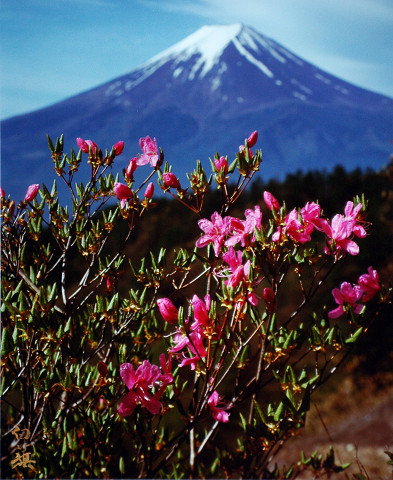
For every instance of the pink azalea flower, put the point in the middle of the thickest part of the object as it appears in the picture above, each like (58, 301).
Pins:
(346, 295)
(32, 192)
(352, 214)
(245, 228)
(149, 190)
(168, 311)
(139, 383)
(369, 283)
(239, 273)
(218, 413)
(270, 299)
(201, 311)
(193, 343)
(271, 201)
(171, 180)
(311, 213)
(85, 144)
(150, 151)
(118, 147)
(2, 193)
(340, 232)
(215, 231)
(295, 228)
(123, 192)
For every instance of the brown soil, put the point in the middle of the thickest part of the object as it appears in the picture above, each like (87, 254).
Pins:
(358, 424)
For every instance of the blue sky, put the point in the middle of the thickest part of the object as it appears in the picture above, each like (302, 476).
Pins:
(53, 49)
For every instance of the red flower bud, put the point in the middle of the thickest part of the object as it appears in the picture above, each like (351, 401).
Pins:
(149, 190)
(221, 164)
(252, 139)
(269, 297)
(168, 311)
(271, 201)
(32, 192)
(170, 180)
(118, 147)
(2, 193)
(102, 368)
(132, 166)
(123, 192)
(85, 144)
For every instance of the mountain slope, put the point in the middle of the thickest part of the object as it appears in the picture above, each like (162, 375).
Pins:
(207, 93)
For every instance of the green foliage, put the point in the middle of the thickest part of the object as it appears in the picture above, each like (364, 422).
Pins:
(79, 300)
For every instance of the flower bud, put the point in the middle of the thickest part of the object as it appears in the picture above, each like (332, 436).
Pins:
(31, 192)
(149, 190)
(271, 201)
(132, 166)
(2, 193)
(221, 164)
(269, 297)
(123, 192)
(85, 144)
(102, 368)
(170, 180)
(118, 147)
(252, 139)
(168, 311)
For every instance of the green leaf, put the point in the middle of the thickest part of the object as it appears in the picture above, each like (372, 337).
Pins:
(7, 343)
(353, 338)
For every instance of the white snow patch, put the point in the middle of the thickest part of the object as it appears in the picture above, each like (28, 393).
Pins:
(240, 99)
(292, 57)
(216, 82)
(322, 78)
(262, 67)
(301, 87)
(112, 87)
(224, 98)
(177, 72)
(341, 89)
(128, 85)
(299, 95)
(278, 82)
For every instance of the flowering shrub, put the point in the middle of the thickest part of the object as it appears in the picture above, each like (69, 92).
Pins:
(142, 381)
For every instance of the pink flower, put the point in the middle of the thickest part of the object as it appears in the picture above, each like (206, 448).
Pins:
(170, 180)
(201, 310)
(221, 165)
(294, 228)
(193, 343)
(215, 231)
(252, 139)
(271, 201)
(149, 190)
(346, 295)
(339, 232)
(118, 147)
(85, 144)
(311, 213)
(352, 213)
(32, 192)
(139, 383)
(132, 166)
(245, 228)
(150, 152)
(369, 283)
(218, 413)
(168, 311)
(2, 193)
(123, 192)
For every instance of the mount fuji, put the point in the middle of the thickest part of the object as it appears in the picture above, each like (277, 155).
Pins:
(206, 94)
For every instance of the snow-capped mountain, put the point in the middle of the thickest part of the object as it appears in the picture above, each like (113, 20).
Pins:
(206, 94)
